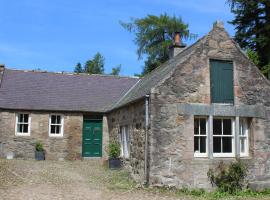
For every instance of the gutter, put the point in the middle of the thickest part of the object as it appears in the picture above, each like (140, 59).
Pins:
(146, 147)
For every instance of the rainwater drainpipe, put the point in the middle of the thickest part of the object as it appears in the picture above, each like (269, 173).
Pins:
(146, 172)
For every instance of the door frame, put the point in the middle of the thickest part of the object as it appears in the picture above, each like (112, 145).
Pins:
(94, 119)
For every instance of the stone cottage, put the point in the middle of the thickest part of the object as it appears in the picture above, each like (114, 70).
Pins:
(208, 103)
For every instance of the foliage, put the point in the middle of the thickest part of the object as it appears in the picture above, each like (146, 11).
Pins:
(253, 56)
(92, 66)
(95, 65)
(154, 35)
(252, 24)
(39, 146)
(116, 70)
(230, 178)
(114, 149)
(78, 68)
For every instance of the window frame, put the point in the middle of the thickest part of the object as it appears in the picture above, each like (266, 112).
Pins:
(124, 138)
(61, 134)
(232, 136)
(244, 122)
(17, 122)
(201, 155)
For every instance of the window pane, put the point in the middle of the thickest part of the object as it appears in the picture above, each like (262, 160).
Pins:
(217, 145)
(227, 144)
(203, 126)
(25, 128)
(52, 128)
(53, 119)
(20, 118)
(58, 119)
(57, 129)
(25, 118)
(242, 145)
(20, 128)
(217, 127)
(202, 144)
(196, 145)
(227, 127)
(196, 126)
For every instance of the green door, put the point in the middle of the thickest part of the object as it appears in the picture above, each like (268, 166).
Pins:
(221, 73)
(92, 138)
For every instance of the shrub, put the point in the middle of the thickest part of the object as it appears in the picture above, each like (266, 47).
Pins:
(39, 146)
(229, 178)
(114, 149)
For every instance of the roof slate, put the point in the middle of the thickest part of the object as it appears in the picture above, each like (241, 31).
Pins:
(28, 90)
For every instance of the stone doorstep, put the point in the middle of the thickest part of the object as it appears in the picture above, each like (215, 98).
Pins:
(259, 185)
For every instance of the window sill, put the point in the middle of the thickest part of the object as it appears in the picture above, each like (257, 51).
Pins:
(55, 136)
(224, 155)
(200, 155)
(22, 134)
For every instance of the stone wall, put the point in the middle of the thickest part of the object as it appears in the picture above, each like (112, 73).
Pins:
(171, 137)
(132, 116)
(69, 146)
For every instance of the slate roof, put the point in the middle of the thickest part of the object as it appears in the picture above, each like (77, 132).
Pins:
(87, 93)
(28, 90)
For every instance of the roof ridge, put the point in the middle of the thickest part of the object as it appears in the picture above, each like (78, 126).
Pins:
(72, 73)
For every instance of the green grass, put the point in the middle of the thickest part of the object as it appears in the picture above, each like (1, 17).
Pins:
(121, 180)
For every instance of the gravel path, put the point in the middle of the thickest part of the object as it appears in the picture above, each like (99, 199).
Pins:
(27, 180)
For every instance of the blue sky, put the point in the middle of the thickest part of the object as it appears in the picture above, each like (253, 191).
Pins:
(54, 35)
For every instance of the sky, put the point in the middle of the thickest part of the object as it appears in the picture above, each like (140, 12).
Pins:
(54, 35)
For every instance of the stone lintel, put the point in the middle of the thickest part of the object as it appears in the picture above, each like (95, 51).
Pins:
(257, 111)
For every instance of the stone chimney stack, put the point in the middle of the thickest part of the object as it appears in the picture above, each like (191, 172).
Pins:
(177, 45)
(218, 24)
(2, 68)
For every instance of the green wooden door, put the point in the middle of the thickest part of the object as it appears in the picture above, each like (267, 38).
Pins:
(92, 138)
(221, 73)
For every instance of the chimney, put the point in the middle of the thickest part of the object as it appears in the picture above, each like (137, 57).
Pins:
(218, 24)
(177, 45)
(2, 67)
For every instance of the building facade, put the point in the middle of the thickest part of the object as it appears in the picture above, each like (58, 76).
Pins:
(208, 103)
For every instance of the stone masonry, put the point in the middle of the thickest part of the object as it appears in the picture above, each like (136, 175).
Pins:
(69, 146)
(132, 116)
(172, 159)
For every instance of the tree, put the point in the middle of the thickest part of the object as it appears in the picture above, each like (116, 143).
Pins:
(96, 65)
(78, 68)
(154, 35)
(116, 70)
(252, 24)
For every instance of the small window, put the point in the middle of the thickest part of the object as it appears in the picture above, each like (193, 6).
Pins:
(223, 137)
(23, 124)
(243, 137)
(56, 126)
(124, 141)
(200, 137)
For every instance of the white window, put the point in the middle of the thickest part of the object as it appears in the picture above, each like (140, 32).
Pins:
(200, 137)
(243, 137)
(56, 123)
(124, 141)
(23, 122)
(223, 137)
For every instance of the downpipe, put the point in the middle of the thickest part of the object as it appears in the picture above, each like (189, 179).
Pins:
(146, 147)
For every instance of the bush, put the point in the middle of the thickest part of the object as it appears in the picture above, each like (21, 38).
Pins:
(114, 150)
(230, 178)
(39, 146)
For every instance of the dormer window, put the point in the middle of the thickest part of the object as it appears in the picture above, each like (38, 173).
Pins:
(221, 75)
